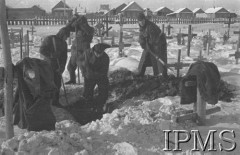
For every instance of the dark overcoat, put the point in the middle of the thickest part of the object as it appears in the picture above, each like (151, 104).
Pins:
(151, 38)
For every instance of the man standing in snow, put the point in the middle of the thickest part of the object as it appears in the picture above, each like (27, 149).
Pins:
(82, 42)
(154, 44)
(95, 72)
(54, 50)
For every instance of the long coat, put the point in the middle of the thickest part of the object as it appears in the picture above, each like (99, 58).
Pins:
(80, 44)
(34, 95)
(48, 50)
(151, 38)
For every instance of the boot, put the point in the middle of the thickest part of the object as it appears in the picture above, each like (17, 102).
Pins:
(72, 78)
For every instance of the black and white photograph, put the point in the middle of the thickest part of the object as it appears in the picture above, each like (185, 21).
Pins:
(111, 77)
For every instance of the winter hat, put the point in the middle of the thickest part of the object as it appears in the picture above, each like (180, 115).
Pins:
(100, 47)
(141, 16)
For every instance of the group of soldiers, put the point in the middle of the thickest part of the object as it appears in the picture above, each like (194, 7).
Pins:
(94, 62)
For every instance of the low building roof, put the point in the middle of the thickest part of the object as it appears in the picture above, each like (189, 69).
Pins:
(214, 10)
(198, 10)
(182, 9)
(131, 4)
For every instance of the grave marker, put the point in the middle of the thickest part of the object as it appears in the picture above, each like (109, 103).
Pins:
(121, 43)
(19, 36)
(200, 57)
(199, 112)
(180, 38)
(169, 27)
(178, 65)
(190, 36)
(229, 25)
(181, 41)
(27, 51)
(209, 41)
(32, 29)
(106, 21)
(237, 53)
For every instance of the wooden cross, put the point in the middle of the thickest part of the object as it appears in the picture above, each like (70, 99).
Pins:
(200, 57)
(190, 36)
(32, 29)
(209, 41)
(107, 21)
(199, 112)
(99, 27)
(179, 65)
(237, 53)
(180, 38)
(20, 39)
(11, 37)
(169, 27)
(121, 46)
(163, 31)
(27, 52)
(121, 43)
(229, 25)
(21, 43)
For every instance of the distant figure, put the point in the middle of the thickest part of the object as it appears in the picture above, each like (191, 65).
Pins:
(225, 38)
(54, 50)
(94, 68)
(99, 29)
(205, 41)
(83, 39)
(151, 39)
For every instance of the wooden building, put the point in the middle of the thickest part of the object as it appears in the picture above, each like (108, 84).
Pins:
(61, 9)
(162, 11)
(117, 10)
(181, 13)
(25, 13)
(132, 10)
(199, 13)
(218, 12)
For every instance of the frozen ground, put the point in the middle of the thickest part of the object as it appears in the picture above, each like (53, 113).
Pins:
(138, 129)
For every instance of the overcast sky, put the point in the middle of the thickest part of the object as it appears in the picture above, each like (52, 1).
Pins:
(93, 5)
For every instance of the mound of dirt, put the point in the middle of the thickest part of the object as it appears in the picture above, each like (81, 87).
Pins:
(124, 87)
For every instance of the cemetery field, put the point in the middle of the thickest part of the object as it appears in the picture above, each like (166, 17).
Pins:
(137, 126)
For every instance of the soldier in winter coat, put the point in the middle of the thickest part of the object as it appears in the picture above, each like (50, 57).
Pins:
(151, 38)
(54, 50)
(94, 68)
(83, 39)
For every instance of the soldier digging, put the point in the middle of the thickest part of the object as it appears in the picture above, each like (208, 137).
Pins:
(95, 67)
(82, 42)
(151, 39)
(54, 50)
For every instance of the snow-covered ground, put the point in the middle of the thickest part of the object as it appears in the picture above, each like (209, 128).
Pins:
(138, 129)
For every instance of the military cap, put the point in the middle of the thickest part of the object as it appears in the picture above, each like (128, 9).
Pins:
(100, 47)
(141, 16)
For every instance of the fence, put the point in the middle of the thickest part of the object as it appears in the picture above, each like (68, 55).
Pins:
(113, 19)
(38, 21)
